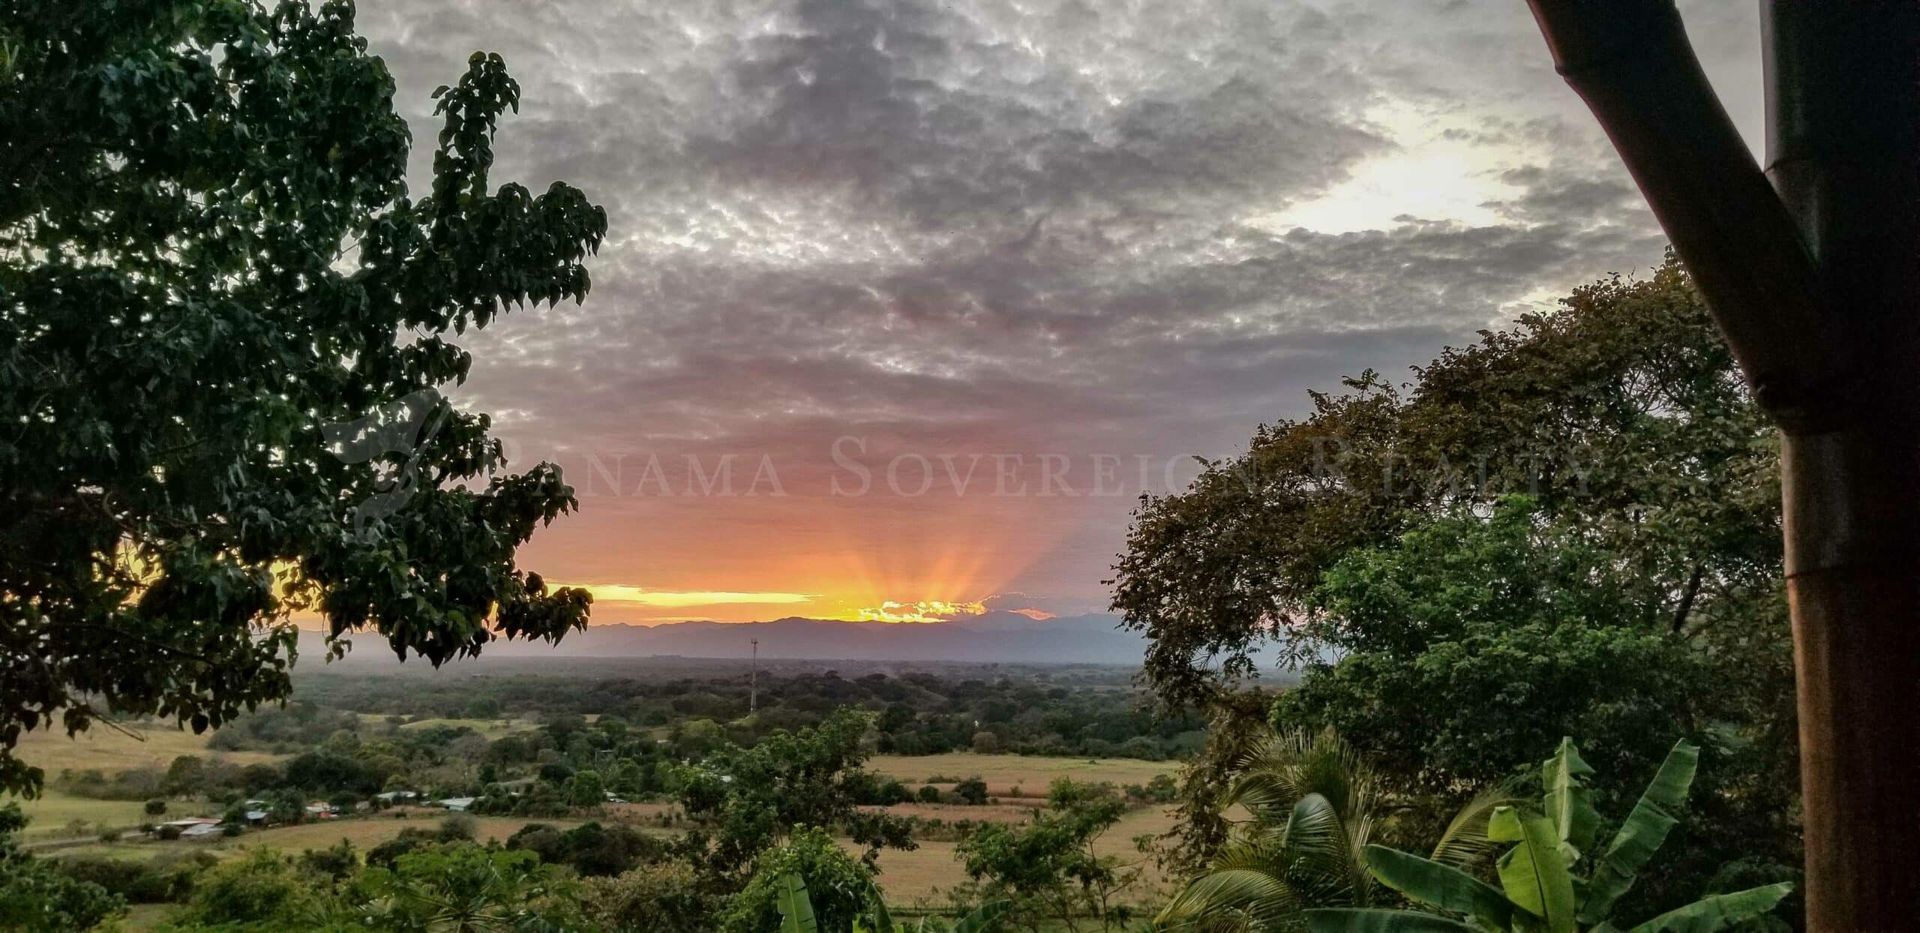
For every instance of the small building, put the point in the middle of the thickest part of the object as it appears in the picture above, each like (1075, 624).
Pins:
(257, 817)
(457, 804)
(397, 796)
(321, 810)
(203, 830)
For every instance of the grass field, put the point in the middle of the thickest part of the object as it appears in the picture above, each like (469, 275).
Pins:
(153, 745)
(1031, 775)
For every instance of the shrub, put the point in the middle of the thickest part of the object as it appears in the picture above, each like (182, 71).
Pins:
(837, 882)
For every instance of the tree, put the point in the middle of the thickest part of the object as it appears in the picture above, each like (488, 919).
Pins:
(586, 789)
(36, 896)
(745, 800)
(1048, 866)
(1473, 638)
(222, 324)
(155, 807)
(1621, 412)
(1538, 890)
(1567, 527)
(1813, 279)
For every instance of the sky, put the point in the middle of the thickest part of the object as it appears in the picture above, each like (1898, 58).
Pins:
(905, 303)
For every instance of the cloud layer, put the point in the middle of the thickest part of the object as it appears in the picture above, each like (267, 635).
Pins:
(1049, 229)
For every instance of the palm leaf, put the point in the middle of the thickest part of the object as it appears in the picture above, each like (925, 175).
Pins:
(1645, 829)
(1717, 912)
(796, 909)
(1262, 897)
(1442, 886)
(1360, 920)
(1464, 844)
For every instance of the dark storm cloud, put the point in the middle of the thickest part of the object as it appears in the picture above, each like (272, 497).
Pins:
(990, 225)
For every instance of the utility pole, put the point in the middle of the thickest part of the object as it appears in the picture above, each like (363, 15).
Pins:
(1812, 269)
(753, 679)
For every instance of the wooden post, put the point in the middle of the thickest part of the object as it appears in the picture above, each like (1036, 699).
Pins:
(1812, 269)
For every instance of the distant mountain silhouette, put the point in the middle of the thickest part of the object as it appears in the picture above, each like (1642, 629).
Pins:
(999, 637)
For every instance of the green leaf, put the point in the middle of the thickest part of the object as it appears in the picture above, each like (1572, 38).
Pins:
(1354, 920)
(796, 909)
(877, 907)
(1645, 829)
(1717, 912)
(1442, 886)
(1534, 873)
(1568, 802)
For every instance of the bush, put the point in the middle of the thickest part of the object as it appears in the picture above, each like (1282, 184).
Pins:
(837, 882)
(971, 791)
(928, 794)
(261, 888)
(659, 898)
(155, 807)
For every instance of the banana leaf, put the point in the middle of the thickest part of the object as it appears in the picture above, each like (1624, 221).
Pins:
(796, 908)
(1568, 802)
(1362, 920)
(983, 918)
(1442, 886)
(1534, 873)
(1641, 835)
(1717, 912)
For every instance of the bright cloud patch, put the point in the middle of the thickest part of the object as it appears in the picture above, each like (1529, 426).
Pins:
(926, 610)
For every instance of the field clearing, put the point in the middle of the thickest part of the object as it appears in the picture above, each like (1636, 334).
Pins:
(101, 748)
(1005, 773)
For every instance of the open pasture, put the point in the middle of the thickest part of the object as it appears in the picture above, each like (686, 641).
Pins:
(1028, 774)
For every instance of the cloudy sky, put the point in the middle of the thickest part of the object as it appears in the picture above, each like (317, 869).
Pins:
(905, 301)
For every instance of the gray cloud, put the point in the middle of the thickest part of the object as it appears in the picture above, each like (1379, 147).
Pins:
(982, 225)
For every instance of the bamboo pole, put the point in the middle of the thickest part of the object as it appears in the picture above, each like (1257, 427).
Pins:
(1812, 269)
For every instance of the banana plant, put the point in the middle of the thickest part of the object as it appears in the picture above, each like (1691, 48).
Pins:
(796, 913)
(1539, 890)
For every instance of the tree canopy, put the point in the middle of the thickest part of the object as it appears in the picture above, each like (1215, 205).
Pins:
(1568, 528)
(223, 325)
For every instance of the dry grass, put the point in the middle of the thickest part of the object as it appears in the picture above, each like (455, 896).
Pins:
(1006, 773)
(953, 813)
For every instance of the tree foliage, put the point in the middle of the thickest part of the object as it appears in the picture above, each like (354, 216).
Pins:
(745, 800)
(1048, 867)
(35, 896)
(208, 258)
(1621, 415)
(1570, 527)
